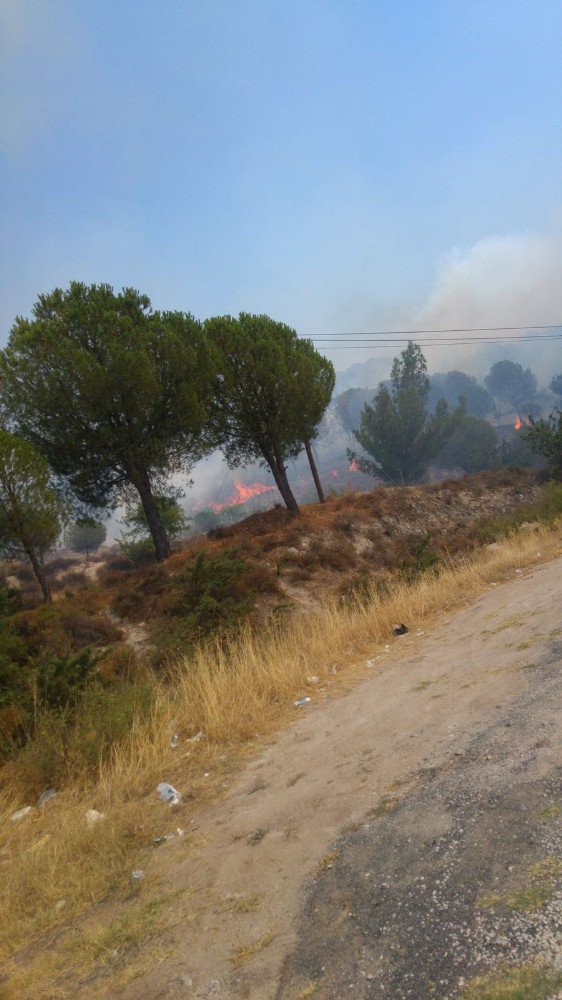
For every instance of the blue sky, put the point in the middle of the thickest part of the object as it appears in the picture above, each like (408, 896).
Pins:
(334, 164)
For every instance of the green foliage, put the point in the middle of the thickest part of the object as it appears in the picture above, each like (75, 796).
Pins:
(409, 372)
(516, 451)
(47, 658)
(171, 512)
(397, 430)
(29, 687)
(31, 511)
(416, 558)
(450, 386)
(545, 438)
(512, 383)
(271, 392)
(349, 405)
(113, 394)
(85, 535)
(515, 983)
(138, 552)
(210, 595)
(472, 446)
(77, 739)
(57, 680)
(545, 510)
(206, 520)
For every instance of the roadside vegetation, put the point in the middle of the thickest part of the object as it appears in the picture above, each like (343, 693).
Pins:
(197, 718)
(166, 661)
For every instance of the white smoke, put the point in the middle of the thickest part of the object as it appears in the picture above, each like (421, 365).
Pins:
(500, 281)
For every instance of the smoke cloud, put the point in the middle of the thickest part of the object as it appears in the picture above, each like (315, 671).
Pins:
(500, 281)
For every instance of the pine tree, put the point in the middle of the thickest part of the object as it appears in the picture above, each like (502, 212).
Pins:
(31, 511)
(113, 394)
(271, 391)
(397, 430)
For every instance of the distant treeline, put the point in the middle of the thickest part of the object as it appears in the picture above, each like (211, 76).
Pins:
(103, 399)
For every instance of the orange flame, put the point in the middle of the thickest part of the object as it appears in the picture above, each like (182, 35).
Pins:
(354, 467)
(518, 425)
(241, 494)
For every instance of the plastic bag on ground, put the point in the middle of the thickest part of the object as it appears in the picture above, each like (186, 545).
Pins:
(168, 793)
(20, 813)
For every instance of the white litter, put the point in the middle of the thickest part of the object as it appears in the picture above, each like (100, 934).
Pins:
(301, 701)
(137, 875)
(195, 739)
(168, 793)
(45, 797)
(20, 813)
(174, 742)
(312, 680)
(93, 817)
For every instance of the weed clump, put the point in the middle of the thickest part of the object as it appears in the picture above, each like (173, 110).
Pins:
(544, 510)
(211, 595)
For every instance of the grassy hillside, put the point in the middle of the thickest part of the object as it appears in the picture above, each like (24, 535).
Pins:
(180, 679)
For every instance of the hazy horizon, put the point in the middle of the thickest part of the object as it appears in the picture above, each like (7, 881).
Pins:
(338, 166)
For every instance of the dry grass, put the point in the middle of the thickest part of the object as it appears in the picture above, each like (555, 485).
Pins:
(538, 888)
(524, 983)
(237, 694)
(247, 949)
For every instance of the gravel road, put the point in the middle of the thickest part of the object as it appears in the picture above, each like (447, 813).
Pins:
(456, 877)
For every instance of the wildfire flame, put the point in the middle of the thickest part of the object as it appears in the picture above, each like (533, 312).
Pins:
(241, 494)
(518, 425)
(354, 467)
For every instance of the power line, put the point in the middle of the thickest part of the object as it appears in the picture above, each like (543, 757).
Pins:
(339, 342)
(460, 329)
(384, 345)
(439, 340)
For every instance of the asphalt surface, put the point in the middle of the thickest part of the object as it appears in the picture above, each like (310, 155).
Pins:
(455, 877)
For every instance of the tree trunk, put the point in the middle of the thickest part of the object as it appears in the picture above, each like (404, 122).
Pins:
(157, 529)
(39, 571)
(280, 476)
(314, 470)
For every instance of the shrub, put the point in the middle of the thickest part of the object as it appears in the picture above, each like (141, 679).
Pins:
(74, 578)
(546, 509)
(31, 687)
(140, 552)
(212, 594)
(209, 594)
(416, 557)
(89, 630)
(72, 743)
(357, 589)
(47, 657)
(22, 572)
(58, 680)
(336, 554)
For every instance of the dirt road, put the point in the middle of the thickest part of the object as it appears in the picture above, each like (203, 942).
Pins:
(399, 839)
